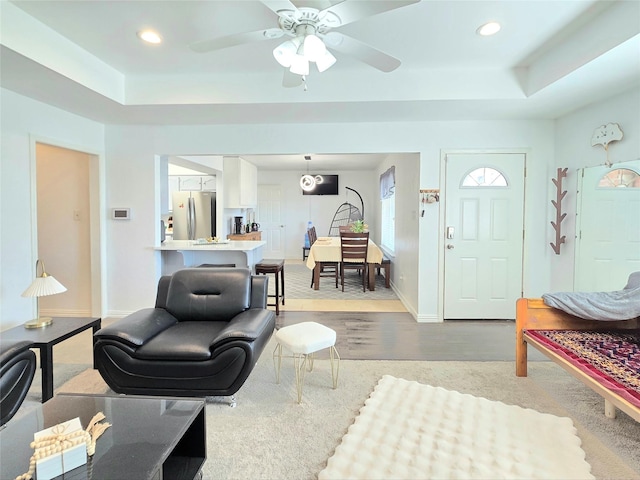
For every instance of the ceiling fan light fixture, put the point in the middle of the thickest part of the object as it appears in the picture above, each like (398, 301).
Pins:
(299, 65)
(285, 52)
(325, 61)
(314, 48)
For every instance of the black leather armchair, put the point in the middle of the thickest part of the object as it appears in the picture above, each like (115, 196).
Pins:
(17, 368)
(203, 337)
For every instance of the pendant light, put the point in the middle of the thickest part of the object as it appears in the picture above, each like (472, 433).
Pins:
(307, 182)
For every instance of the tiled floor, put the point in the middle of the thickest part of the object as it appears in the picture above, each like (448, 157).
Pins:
(352, 300)
(298, 286)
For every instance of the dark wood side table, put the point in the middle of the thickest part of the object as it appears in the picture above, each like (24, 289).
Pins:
(45, 338)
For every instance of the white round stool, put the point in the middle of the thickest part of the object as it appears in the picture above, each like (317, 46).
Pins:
(303, 340)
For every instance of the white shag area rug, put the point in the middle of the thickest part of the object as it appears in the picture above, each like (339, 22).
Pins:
(408, 430)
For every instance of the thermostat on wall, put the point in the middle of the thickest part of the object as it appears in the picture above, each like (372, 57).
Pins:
(121, 213)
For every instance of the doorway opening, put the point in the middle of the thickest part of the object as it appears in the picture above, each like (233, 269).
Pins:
(67, 224)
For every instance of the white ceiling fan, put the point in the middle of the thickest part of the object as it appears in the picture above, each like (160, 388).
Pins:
(310, 34)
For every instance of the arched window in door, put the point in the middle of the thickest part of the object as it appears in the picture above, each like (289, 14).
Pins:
(484, 177)
(620, 178)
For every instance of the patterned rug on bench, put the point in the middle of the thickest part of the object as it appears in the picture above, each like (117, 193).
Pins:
(407, 430)
(612, 358)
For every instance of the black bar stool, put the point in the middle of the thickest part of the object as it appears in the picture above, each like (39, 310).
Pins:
(276, 267)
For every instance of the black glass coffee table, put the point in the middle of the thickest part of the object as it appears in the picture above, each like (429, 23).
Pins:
(45, 338)
(150, 437)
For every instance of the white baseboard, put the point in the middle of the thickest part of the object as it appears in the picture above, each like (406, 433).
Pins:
(404, 302)
(64, 312)
(118, 313)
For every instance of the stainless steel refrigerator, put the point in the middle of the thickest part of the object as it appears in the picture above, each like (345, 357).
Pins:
(194, 215)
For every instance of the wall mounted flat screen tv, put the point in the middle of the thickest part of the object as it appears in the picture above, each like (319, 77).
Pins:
(328, 186)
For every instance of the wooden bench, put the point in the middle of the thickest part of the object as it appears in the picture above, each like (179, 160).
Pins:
(374, 268)
(386, 264)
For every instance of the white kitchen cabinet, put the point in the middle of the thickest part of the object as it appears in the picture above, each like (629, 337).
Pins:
(209, 183)
(240, 183)
(190, 183)
(194, 183)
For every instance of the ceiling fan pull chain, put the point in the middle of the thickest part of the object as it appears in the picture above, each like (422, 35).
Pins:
(304, 81)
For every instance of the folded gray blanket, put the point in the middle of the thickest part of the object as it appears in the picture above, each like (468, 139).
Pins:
(618, 305)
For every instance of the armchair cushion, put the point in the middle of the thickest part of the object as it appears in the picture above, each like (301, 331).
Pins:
(194, 294)
(183, 341)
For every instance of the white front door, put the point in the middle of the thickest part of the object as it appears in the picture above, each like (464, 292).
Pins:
(608, 227)
(483, 235)
(269, 216)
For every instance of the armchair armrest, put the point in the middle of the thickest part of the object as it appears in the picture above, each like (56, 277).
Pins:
(139, 327)
(259, 290)
(248, 325)
(163, 288)
(9, 349)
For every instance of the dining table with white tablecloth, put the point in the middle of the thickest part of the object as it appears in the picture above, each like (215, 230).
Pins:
(327, 249)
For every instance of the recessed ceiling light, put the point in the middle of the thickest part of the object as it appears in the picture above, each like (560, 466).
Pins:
(149, 36)
(487, 29)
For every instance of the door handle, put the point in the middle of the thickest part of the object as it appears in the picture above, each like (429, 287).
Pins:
(191, 221)
(449, 247)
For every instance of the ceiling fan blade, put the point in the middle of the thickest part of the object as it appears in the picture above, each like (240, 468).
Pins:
(361, 51)
(290, 80)
(351, 11)
(235, 39)
(277, 5)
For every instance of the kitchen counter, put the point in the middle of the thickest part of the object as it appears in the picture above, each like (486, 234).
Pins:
(178, 254)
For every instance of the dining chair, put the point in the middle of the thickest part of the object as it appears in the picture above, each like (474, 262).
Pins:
(327, 269)
(354, 247)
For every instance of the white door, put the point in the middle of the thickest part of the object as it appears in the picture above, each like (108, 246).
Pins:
(269, 216)
(608, 227)
(483, 235)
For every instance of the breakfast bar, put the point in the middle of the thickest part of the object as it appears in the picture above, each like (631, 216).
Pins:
(178, 254)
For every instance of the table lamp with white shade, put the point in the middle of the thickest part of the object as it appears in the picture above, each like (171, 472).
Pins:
(42, 286)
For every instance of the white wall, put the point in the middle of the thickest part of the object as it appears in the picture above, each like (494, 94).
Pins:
(574, 151)
(23, 122)
(132, 172)
(131, 153)
(405, 259)
(320, 209)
